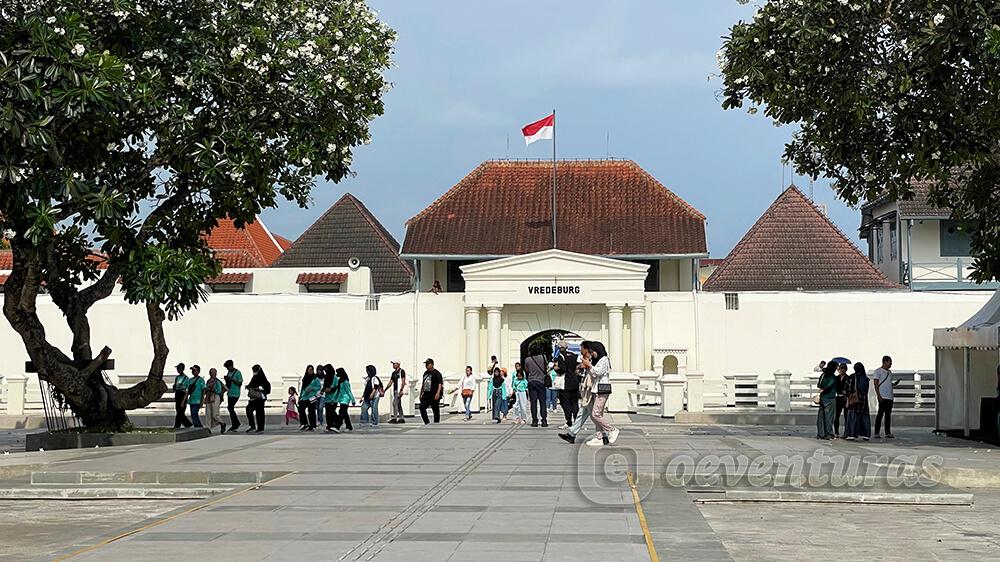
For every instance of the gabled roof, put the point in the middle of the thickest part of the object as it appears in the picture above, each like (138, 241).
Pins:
(917, 207)
(793, 246)
(346, 230)
(605, 208)
(251, 246)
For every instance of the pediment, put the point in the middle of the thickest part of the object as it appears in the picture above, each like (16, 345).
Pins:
(555, 264)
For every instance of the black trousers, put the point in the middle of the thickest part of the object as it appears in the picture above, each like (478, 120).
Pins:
(538, 398)
(331, 414)
(884, 409)
(234, 420)
(434, 405)
(341, 417)
(570, 402)
(307, 414)
(841, 407)
(255, 414)
(180, 406)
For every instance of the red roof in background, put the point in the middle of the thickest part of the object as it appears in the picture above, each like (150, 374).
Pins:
(321, 278)
(505, 208)
(229, 279)
(3, 279)
(285, 243)
(6, 259)
(251, 246)
(793, 246)
(709, 262)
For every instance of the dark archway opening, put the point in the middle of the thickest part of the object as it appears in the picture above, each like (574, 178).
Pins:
(546, 340)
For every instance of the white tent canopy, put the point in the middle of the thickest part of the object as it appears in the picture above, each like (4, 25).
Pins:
(966, 361)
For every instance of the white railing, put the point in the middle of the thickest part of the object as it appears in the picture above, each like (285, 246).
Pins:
(956, 270)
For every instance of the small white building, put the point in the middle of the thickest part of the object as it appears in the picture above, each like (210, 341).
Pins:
(918, 245)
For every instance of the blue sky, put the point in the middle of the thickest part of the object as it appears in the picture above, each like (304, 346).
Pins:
(469, 74)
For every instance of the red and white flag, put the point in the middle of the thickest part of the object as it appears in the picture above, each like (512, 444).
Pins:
(540, 130)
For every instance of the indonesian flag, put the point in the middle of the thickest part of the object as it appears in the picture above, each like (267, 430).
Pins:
(539, 130)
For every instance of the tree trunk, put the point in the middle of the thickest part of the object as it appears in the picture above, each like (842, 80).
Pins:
(79, 381)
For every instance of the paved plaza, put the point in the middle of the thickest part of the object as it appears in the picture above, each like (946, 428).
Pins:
(461, 491)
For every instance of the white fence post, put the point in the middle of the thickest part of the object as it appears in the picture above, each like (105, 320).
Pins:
(782, 391)
(696, 391)
(917, 398)
(671, 395)
(16, 394)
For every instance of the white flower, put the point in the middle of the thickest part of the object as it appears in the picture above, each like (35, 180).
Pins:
(932, 125)
(306, 162)
(844, 2)
(328, 78)
(939, 19)
(179, 80)
(341, 83)
(120, 14)
(50, 20)
(236, 175)
(936, 156)
(238, 50)
(769, 53)
(78, 50)
(59, 31)
(331, 148)
(265, 57)
(277, 115)
(9, 233)
(835, 38)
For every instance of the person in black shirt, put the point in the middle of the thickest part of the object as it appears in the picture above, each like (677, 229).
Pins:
(569, 396)
(431, 390)
(841, 399)
(398, 383)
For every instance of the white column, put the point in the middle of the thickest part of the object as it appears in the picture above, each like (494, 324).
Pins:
(671, 395)
(16, 393)
(492, 332)
(471, 338)
(782, 391)
(615, 336)
(637, 319)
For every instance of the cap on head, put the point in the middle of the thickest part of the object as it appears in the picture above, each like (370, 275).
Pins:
(179, 366)
(428, 361)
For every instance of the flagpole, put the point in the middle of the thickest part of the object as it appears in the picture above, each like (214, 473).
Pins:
(554, 179)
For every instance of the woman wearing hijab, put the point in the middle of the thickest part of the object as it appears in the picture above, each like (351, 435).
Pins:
(344, 397)
(321, 395)
(595, 358)
(330, 396)
(498, 394)
(307, 377)
(257, 392)
(308, 399)
(827, 401)
(859, 419)
(374, 390)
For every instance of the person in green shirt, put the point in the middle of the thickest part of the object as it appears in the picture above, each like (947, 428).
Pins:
(344, 397)
(180, 398)
(308, 398)
(234, 382)
(827, 402)
(196, 394)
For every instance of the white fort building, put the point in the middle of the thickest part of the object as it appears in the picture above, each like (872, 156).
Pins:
(478, 275)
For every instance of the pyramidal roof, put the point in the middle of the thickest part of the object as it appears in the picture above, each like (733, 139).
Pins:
(348, 229)
(251, 246)
(794, 246)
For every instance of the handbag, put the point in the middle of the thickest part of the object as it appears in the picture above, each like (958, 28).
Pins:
(254, 394)
(603, 388)
(466, 392)
(511, 400)
(559, 383)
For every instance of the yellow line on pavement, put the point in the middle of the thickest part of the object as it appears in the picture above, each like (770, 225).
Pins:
(159, 522)
(653, 557)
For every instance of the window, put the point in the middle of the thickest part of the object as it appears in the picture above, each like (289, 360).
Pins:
(228, 287)
(732, 301)
(371, 303)
(893, 242)
(322, 287)
(878, 244)
(955, 240)
(456, 283)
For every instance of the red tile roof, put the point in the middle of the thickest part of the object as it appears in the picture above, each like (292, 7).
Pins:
(258, 247)
(229, 279)
(505, 208)
(3, 279)
(321, 278)
(6, 259)
(285, 243)
(793, 246)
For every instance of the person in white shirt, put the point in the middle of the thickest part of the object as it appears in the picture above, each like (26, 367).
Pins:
(468, 389)
(883, 389)
(596, 359)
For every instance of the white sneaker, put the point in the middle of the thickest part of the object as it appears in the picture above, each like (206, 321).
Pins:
(595, 442)
(613, 436)
(564, 426)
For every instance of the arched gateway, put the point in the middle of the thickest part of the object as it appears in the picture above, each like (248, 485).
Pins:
(526, 295)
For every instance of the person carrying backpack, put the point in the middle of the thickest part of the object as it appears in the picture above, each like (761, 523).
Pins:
(374, 390)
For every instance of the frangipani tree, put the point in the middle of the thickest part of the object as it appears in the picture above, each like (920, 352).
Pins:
(884, 92)
(130, 127)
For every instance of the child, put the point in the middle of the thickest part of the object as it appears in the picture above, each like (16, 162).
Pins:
(521, 391)
(292, 406)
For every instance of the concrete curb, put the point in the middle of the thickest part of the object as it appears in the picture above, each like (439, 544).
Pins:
(806, 417)
(152, 477)
(844, 496)
(108, 493)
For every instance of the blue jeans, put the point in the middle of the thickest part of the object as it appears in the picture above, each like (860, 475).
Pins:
(373, 406)
(499, 405)
(581, 418)
(553, 398)
(467, 400)
(195, 409)
(319, 410)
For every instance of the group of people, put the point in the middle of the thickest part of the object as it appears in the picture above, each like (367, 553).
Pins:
(327, 393)
(843, 392)
(192, 392)
(581, 385)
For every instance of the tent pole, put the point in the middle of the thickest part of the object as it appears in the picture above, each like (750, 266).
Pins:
(965, 399)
